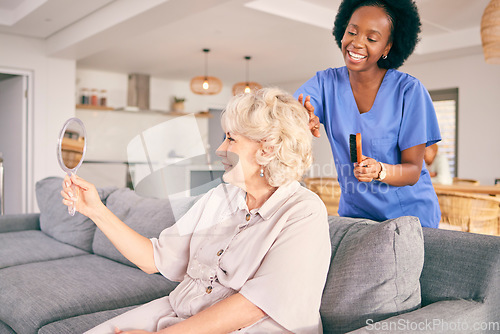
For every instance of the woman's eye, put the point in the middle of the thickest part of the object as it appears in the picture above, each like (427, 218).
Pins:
(351, 33)
(230, 139)
(372, 40)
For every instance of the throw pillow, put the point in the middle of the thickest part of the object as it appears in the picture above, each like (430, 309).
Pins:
(374, 272)
(55, 221)
(146, 216)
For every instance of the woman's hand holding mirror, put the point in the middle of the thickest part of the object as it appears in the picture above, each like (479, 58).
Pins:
(87, 195)
(71, 149)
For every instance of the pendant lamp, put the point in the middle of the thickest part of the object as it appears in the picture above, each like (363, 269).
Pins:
(490, 32)
(206, 85)
(247, 86)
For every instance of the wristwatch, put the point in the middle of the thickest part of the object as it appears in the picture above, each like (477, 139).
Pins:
(383, 172)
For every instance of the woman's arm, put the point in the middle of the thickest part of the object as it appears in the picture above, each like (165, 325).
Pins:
(403, 174)
(135, 247)
(228, 315)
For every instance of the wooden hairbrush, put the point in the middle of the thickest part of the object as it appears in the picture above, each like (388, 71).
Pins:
(355, 147)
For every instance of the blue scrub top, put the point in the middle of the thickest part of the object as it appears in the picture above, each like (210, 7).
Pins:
(402, 116)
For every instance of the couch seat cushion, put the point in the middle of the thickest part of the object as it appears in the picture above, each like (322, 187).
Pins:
(32, 246)
(76, 230)
(82, 323)
(44, 292)
(374, 272)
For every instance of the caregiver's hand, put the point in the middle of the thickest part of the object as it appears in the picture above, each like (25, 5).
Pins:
(368, 170)
(87, 200)
(313, 119)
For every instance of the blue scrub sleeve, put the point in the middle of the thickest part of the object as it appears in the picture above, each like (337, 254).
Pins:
(419, 123)
(314, 88)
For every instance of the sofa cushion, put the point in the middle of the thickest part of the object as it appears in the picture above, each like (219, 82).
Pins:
(146, 216)
(32, 246)
(82, 323)
(374, 272)
(76, 230)
(43, 292)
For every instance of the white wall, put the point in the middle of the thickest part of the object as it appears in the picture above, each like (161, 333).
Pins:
(478, 110)
(52, 100)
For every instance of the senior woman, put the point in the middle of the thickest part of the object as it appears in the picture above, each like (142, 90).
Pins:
(253, 253)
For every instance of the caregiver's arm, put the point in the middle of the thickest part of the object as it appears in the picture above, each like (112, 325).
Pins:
(403, 174)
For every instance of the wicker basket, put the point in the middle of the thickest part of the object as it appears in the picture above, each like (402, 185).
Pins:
(328, 189)
(469, 212)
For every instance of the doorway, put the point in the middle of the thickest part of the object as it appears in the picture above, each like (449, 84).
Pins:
(15, 145)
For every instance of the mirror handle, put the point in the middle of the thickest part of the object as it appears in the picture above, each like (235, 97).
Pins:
(72, 208)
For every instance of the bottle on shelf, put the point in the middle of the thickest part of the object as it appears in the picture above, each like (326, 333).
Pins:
(103, 98)
(84, 96)
(94, 100)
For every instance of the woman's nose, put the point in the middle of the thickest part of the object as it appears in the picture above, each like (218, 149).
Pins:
(221, 150)
(356, 41)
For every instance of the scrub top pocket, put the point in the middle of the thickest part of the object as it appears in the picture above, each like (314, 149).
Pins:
(382, 148)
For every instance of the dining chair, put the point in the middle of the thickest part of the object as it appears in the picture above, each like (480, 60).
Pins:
(469, 212)
(328, 189)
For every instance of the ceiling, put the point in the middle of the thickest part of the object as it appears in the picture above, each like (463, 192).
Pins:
(288, 40)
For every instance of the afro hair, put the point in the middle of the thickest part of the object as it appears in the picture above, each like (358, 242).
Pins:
(405, 20)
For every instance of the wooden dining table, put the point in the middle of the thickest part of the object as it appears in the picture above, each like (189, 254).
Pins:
(478, 189)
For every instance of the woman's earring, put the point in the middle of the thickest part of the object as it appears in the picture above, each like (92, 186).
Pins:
(261, 172)
(384, 56)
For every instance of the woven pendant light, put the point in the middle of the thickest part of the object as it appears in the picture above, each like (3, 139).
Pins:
(247, 86)
(490, 32)
(206, 85)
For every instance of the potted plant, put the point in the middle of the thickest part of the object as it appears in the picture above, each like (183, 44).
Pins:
(178, 104)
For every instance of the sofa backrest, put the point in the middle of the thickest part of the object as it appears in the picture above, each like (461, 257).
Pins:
(460, 265)
(146, 216)
(55, 221)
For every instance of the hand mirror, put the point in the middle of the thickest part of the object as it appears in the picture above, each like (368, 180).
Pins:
(71, 149)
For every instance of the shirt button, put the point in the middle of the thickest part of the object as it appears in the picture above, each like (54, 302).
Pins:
(219, 253)
(209, 290)
(248, 217)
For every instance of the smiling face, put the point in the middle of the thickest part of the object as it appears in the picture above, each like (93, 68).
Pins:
(366, 38)
(238, 155)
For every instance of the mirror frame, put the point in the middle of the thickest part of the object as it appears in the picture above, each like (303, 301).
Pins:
(69, 171)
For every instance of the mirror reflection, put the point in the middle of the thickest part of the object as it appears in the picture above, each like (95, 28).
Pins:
(72, 148)
(72, 144)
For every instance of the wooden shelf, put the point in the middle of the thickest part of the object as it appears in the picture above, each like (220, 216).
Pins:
(198, 114)
(201, 114)
(89, 106)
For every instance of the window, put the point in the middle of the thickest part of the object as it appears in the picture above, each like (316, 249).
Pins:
(446, 105)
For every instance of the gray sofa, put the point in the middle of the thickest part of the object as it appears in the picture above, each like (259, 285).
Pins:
(58, 274)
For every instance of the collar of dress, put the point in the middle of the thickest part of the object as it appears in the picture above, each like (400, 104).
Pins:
(271, 206)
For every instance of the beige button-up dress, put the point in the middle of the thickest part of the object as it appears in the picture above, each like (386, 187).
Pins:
(276, 256)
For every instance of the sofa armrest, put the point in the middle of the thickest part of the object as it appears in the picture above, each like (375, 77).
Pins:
(447, 316)
(20, 222)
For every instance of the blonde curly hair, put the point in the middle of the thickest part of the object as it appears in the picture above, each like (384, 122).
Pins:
(275, 118)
